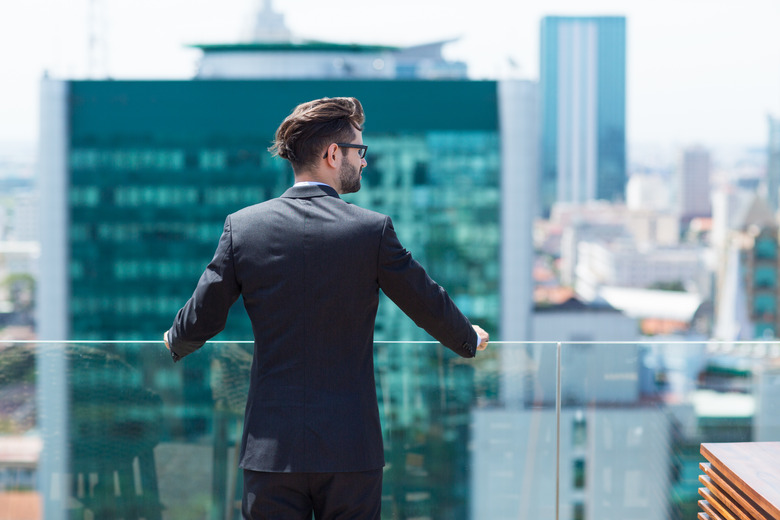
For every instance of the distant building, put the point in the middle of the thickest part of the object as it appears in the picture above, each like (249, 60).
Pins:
(766, 421)
(614, 443)
(25, 217)
(613, 462)
(648, 192)
(583, 102)
(601, 222)
(747, 283)
(19, 455)
(694, 189)
(586, 231)
(623, 264)
(323, 60)
(589, 372)
(773, 165)
(273, 53)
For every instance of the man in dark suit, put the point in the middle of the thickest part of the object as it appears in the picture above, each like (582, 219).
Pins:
(309, 267)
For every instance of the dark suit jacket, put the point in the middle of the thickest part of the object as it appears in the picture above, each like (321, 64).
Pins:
(309, 267)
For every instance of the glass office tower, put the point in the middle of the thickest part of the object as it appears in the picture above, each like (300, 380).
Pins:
(583, 109)
(149, 171)
(155, 167)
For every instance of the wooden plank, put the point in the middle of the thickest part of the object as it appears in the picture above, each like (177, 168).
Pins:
(753, 509)
(724, 498)
(752, 467)
(709, 510)
(703, 516)
(722, 510)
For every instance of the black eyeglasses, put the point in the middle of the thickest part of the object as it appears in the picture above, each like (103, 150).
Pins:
(361, 148)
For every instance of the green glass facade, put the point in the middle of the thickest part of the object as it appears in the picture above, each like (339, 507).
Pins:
(153, 169)
(761, 282)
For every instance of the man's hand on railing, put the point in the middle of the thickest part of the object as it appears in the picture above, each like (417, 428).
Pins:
(484, 337)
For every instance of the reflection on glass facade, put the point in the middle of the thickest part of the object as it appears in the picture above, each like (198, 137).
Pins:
(153, 169)
(149, 439)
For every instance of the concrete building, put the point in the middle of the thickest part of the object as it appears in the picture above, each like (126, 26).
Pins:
(622, 264)
(648, 192)
(580, 232)
(694, 187)
(747, 275)
(24, 221)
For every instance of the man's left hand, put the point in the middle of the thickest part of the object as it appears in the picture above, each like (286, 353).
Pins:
(484, 337)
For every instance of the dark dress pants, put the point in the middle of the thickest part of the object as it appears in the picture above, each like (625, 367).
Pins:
(295, 496)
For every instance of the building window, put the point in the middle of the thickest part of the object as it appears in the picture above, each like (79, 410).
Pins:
(765, 248)
(212, 160)
(579, 431)
(764, 304)
(578, 473)
(765, 276)
(578, 511)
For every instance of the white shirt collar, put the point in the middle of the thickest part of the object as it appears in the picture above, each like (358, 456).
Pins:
(310, 183)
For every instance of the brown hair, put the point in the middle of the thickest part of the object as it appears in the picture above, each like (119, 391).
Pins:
(305, 134)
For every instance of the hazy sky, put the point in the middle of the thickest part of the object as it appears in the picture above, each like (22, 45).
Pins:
(699, 71)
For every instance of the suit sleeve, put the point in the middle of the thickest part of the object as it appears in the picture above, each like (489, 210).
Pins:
(407, 284)
(205, 314)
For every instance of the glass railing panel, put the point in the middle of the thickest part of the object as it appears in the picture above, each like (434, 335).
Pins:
(513, 472)
(634, 415)
(122, 432)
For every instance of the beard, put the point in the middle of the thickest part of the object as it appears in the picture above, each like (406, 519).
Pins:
(349, 177)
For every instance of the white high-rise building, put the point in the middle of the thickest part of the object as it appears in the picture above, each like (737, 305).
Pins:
(648, 192)
(518, 101)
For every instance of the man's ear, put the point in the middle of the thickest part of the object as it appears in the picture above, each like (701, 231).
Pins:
(332, 154)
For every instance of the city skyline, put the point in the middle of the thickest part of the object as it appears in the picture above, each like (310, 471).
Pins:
(697, 72)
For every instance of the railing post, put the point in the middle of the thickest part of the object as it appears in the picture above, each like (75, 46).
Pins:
(557, 430)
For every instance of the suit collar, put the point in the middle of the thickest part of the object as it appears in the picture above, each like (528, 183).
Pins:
(312, 190)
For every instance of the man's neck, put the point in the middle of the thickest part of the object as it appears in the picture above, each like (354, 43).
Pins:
(313, 178)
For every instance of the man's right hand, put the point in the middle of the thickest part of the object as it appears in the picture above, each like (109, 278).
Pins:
(484, 337)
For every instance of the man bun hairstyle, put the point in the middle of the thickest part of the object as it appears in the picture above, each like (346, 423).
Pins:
(305, 134)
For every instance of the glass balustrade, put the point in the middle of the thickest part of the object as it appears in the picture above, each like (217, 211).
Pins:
(110, 430)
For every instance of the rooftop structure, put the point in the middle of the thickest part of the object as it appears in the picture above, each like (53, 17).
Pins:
(274, 53)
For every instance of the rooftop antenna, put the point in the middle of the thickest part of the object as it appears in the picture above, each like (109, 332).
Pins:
(97, 48)
(269, 25)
